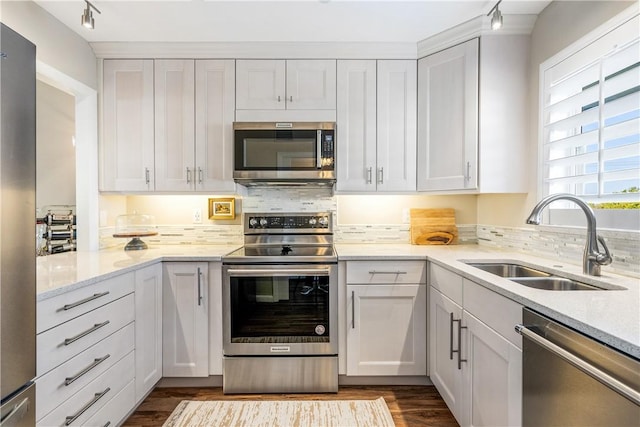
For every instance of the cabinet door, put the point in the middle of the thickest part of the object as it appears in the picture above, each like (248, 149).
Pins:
(356, 125)
(174, 118)
(260, 84)
(185, 317)
(387, 331)
(126, 148)
(148, 302)
(443, 339)
(492, 377)
(448, 119)
(215, 110)
(311, 84)
(396, 149)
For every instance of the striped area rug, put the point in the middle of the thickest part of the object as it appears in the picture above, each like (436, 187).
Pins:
(281, 413)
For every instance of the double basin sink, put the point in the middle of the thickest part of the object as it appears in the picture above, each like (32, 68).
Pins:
(533, 277)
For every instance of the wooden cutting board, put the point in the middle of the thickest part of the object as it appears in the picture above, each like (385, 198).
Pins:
(433, 226)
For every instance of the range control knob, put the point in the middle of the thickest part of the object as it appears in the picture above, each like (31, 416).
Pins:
(253, 222)
(324, 221)
(263, 222)
(312, 221)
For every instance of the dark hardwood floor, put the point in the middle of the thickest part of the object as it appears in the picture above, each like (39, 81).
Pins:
(409, 405)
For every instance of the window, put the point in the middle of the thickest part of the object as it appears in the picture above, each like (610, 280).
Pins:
(590, 117)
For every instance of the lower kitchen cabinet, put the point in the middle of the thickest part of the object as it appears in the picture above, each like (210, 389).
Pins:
(148, 301)
(387, 319)
(85, 351)
(475, 361)
(185, 319)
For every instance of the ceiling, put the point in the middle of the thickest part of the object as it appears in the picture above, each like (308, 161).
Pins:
(275, 21)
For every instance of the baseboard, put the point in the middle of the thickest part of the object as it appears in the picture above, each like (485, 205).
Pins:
(384, 380)
(211, 381)
(216, 381)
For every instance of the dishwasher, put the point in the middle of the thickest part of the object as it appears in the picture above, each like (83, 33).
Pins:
(569, 379)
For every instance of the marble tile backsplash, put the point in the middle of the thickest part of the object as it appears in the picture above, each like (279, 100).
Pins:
(551, 242)
(564, 243)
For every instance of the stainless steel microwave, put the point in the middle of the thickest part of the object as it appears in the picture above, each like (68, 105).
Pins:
(284, 153)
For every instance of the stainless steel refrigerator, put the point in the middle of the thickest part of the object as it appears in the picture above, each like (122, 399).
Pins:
(17, 229)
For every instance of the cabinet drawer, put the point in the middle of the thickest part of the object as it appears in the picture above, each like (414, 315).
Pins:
(86, 402)
(54, 311)
(447, 282)
(498, 312)
(59, 344)
(114, 411)
(368, 272)
(64, 381)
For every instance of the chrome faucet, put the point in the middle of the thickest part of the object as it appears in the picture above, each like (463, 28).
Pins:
(592, 258)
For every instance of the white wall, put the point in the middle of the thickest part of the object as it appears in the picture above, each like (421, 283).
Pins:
(558, 25)
(56, 45)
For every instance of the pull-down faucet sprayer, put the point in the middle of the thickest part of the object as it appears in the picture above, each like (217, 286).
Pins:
(592, 258)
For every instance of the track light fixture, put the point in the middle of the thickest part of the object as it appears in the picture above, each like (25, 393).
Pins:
(496, 19)
(87, 20)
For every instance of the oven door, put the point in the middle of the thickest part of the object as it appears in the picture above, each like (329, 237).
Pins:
(280, 309)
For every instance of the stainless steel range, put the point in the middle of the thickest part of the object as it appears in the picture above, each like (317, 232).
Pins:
(280, 306)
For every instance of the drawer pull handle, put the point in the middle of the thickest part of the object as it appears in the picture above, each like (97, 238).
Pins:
(84, 301)
(107, 424)
(94, 328)
(96, 362)
(70, 419)
(387, 272)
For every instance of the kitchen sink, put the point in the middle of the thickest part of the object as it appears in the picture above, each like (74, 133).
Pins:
(509, 270)
(532, 277)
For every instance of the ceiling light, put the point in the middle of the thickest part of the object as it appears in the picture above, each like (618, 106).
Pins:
(496, 19)
(87, 20)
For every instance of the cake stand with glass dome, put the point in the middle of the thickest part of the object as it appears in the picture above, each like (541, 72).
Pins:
(134, 226)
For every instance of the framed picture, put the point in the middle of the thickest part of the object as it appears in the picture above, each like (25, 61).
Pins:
(222, 208)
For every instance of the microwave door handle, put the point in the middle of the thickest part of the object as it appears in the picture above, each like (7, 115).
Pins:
(319, 149)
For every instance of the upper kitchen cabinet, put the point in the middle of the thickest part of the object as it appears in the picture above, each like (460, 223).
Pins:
(194, 113)
(188, 107)
(376, 139)
(266, 85)
(126, 148)
(174, 130)
(472, 122)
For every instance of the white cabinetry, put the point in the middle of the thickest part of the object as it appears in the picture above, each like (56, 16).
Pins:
(174, 118)
(185, 319)
(386, 312)
(448, 118)
(148, 298)
(472, 118)
(126, 147)
(167, 125)
(286, 84)
(475, 355)
(376, 125)
(85, 353)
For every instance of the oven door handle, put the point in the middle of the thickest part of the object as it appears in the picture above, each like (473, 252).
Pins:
(279, 272)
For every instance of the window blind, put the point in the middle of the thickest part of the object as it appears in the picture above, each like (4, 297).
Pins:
(591, 120)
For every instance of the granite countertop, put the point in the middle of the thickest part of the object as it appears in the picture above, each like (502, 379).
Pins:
(611, 316)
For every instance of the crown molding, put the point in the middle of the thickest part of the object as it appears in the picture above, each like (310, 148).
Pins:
(476, 27)
(255, 50)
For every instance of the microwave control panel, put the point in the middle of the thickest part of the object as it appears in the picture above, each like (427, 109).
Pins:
(328, 149)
